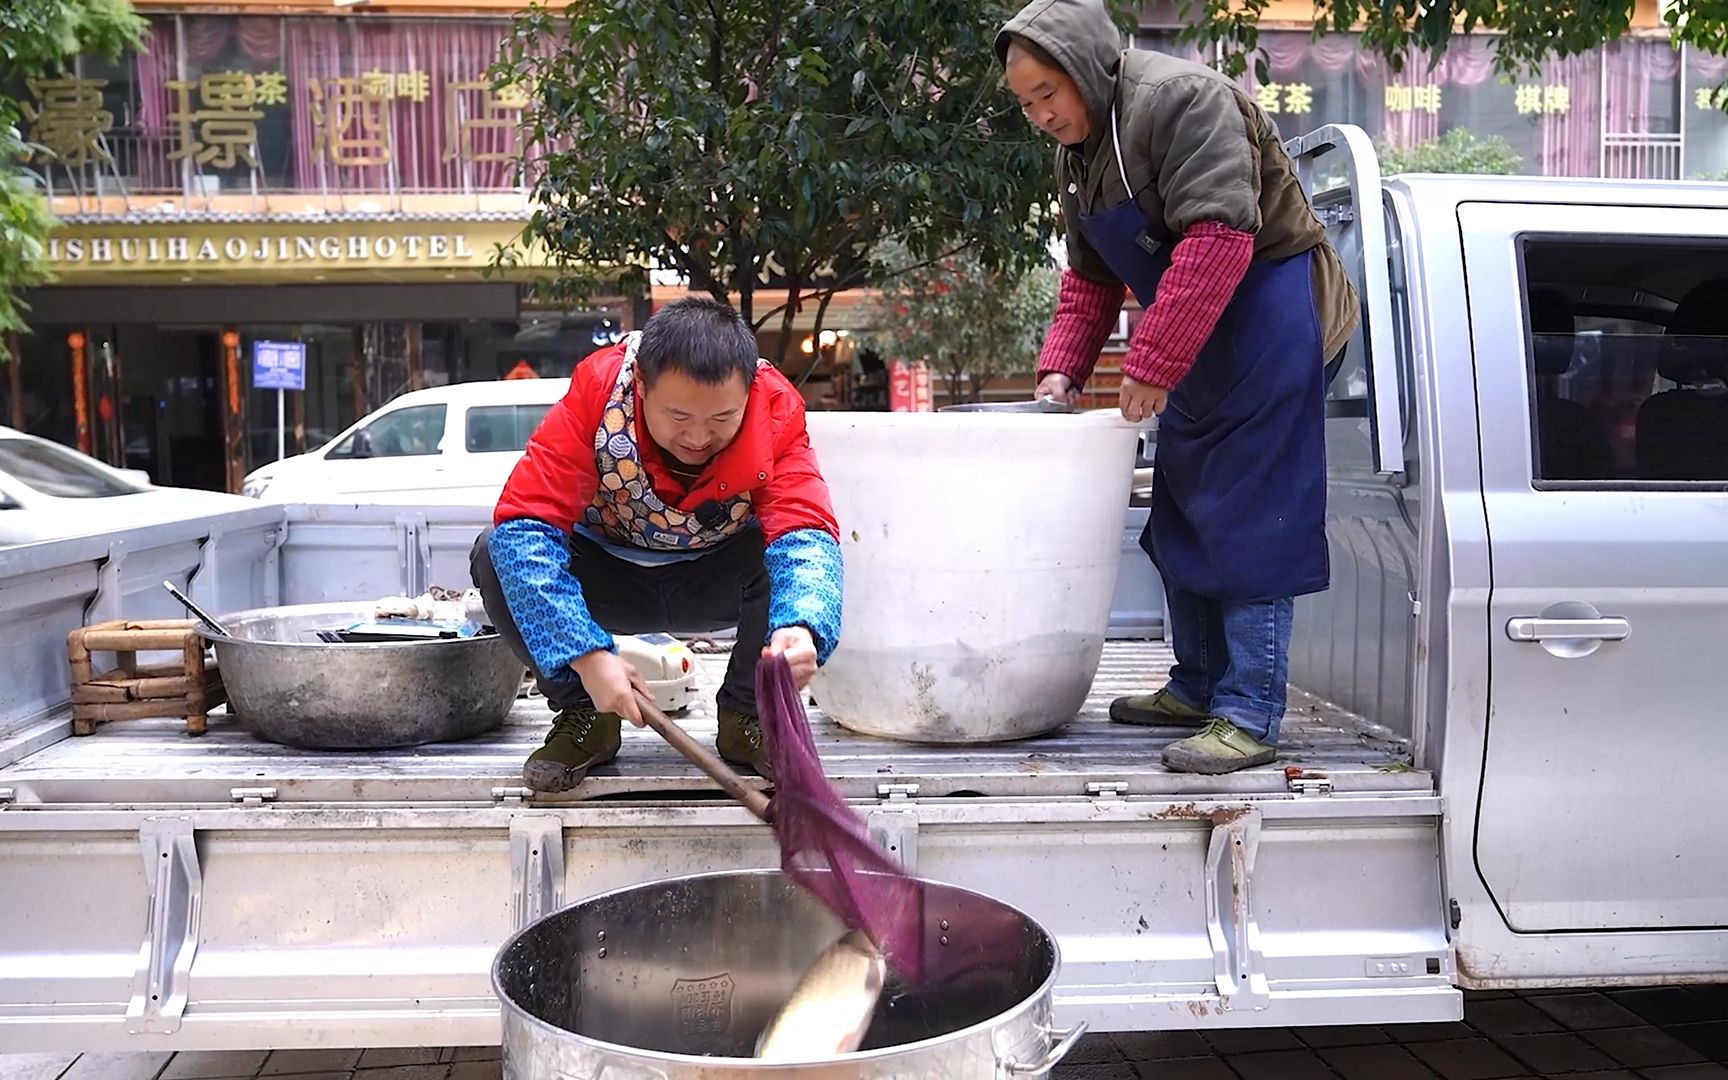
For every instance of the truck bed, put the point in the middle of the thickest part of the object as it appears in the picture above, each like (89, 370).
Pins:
(155, 762)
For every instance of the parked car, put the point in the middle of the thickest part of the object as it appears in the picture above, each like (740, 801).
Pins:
(452, 444)
(49, 492)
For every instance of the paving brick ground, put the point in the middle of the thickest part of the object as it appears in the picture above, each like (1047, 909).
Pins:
(1647, 1034)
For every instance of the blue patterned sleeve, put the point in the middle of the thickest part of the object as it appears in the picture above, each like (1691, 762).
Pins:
(545, 599)
(806, 582)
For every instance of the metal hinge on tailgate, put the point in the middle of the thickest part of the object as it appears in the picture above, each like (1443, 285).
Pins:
(7, 795)
(1303, 783)
(1239, 967)
(1108, 790)
(252, 796)
(161, 985)
(536, 866)
(895, 826)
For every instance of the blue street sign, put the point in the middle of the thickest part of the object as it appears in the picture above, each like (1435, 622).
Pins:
(278, 365)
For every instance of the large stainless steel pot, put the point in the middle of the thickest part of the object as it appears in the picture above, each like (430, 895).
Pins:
(289, 687)
(674, 980)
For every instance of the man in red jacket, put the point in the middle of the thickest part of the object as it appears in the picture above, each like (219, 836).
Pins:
(673, 488)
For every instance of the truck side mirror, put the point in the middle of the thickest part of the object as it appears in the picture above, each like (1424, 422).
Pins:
(362, 443)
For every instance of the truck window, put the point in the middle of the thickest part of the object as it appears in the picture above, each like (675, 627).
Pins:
(409, 432)
(1628, 357)
(493, 428)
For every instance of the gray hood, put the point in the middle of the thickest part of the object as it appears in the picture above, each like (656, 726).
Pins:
(1079, 35)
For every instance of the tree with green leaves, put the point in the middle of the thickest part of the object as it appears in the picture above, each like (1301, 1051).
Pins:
(40, 37)
(751, 145)
(1457, 151)
(1527, 31)
(971, 323)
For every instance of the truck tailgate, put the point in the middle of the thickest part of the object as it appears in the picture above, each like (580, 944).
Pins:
(166, 892)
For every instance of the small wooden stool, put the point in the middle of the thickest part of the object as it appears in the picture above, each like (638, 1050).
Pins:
(129, 692)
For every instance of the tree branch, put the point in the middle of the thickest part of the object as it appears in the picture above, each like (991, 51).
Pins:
(717, 45)
(776, 35)
(698, 275)
(816, 335)
(788, 312)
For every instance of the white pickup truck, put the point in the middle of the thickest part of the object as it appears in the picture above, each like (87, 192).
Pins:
(1496, 772)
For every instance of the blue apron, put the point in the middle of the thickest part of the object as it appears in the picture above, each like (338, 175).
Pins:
(1239, 477)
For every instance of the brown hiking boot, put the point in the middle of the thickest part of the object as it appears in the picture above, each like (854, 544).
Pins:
(580, 739)
(740, 742)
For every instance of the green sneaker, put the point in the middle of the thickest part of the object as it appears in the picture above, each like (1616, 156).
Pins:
(1162, 709)
(580, 739)
(1220, 747)
(740, 742)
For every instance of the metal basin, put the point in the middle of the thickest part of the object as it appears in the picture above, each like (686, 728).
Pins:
(290, 688)
(675, 979)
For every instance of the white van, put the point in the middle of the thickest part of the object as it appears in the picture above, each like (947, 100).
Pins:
(452, 444)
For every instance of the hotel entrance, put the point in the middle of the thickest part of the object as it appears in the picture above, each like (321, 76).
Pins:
(144, 357)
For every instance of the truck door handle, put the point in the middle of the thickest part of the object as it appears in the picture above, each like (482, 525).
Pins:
(1540, 629)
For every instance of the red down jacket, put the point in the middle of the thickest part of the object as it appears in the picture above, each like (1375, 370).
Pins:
(771, 458)
(770, 461)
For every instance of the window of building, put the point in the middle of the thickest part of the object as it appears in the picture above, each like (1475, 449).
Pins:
(1629, 361)
(216, 102)
(1641, 110)
(1312, 83)
(1706, 120)
(1551, 119)
(494, 428)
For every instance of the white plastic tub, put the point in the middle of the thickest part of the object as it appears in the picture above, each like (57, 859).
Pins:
(981, 558)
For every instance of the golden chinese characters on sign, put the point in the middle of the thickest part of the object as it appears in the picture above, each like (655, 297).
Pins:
(415, 86)
(1532, 100)
(350, 121)
(1289, 99)
(1405, 99)
(272, 88)
(213, 120)
(223, 130)
(500, 111)
(68, 121)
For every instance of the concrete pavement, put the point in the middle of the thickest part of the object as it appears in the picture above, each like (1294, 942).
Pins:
(1672, 1033)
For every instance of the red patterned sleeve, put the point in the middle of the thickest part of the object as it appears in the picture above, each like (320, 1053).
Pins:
(1205, 267)
(1086, 312)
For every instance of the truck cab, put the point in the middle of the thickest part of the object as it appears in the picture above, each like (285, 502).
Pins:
(1529, 478)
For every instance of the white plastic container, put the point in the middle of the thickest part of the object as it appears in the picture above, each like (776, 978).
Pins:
(981, 556)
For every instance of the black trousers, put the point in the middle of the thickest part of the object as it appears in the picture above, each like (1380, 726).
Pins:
(725, 587)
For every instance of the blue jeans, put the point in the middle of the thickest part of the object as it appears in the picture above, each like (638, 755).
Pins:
(1232, 660)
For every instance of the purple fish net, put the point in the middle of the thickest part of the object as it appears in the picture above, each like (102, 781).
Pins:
(825, 845)
(934, 938)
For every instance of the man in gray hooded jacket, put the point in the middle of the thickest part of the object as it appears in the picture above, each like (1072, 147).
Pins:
(1174, 184)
